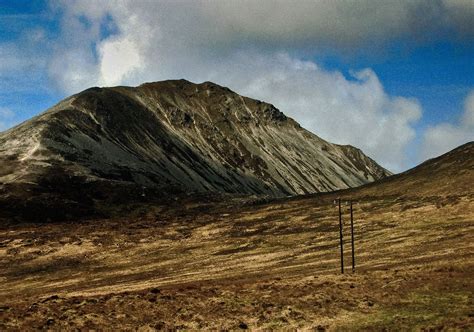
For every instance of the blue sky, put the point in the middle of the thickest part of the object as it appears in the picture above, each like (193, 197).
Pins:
(393, 78)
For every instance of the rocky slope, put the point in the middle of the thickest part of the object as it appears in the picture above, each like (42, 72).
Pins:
(174, 136)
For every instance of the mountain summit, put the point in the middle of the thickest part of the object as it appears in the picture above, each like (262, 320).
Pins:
(176, 136)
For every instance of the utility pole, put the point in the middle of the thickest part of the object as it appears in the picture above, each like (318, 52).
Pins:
(340, 237)
(352, 240)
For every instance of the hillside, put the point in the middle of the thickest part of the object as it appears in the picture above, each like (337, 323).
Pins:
(449, 175)
(257, 264)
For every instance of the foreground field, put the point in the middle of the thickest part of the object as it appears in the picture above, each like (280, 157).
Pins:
(246, 264)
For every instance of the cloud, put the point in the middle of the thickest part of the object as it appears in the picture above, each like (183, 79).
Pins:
(73, 62)
(117, 59)
(444, 137)
(345, 24)
(224, 25)
(165, 34)
(459, 16)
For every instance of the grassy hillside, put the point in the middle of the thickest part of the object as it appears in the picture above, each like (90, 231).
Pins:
(257, 264)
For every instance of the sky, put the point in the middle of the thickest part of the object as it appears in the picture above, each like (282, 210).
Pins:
(394, 78)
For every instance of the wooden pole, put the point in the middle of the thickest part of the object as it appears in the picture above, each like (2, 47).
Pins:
(340, 237)
(352, 240)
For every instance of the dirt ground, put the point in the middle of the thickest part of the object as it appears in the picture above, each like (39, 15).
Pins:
(243, 264)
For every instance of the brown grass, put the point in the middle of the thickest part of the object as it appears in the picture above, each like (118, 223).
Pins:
(232, 265)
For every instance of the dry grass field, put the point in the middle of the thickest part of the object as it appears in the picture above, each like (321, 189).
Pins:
(247, 263)
(235, 265)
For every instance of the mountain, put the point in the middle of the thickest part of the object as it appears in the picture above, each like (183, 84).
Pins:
(170, 137)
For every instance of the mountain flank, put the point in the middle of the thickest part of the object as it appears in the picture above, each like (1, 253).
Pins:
(167, 138)
(448, 175)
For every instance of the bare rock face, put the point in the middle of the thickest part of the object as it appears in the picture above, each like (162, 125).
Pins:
(172, 137)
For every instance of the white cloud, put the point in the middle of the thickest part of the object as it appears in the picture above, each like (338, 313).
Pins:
(73, 63)
(444, 137)
(177, 36)
(117, 59)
